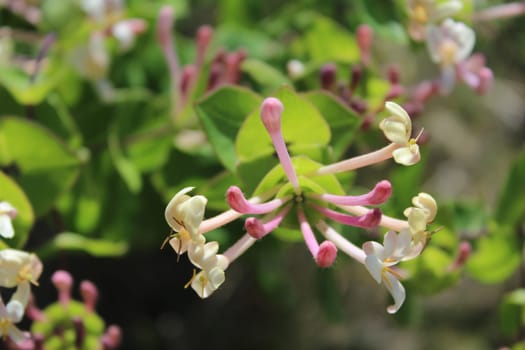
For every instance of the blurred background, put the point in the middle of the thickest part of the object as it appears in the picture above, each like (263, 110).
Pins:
(98, 212)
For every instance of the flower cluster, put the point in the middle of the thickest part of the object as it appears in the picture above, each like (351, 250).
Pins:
(303, 200)
(224, 68)
(67, 323)
(18, 269)
(449, 44)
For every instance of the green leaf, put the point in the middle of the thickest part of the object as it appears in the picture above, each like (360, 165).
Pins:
(511, 205)
(46, 166)
(496, 256)
(76, 242)
(328, 41)
(512, 312)
(304, 129)
(263, 74)
(25, 91)
(221, 114)
(343, 122)
(10, 192)
(429, 272)
(125, 167)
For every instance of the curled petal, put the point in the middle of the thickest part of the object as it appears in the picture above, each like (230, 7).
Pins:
(417, 219)
(397, 291)
(426, 202)
(201, 285)
(185, 212)
(407, 155)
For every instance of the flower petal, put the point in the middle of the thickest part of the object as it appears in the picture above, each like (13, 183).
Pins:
(397, 291)
(6, 227)
(374, 266)
(407, 155)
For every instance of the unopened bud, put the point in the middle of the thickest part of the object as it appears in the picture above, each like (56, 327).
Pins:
(271, 111)
(365, 36)
(327, 75)
(326, 254)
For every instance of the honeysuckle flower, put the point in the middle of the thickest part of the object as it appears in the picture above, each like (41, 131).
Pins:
(423, 213)
(380, 261)
(17, 266)
(185, 213)
(398, 129)
(297, 194)
(13, 313)
(448, 45)
(424, 12)
(7, 214)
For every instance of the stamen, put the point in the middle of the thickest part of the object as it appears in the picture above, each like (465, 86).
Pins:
(191, 279)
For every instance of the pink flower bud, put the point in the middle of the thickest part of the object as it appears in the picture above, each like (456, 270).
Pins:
(164, 25)
(326, 254)
(365, 36)
(355, 77)
(327, 75)
(486, 77)
(393, 74)
(255, 228)
(271, 110)
(112, 338)
(89, 293)
(204, 35)
(63, 282)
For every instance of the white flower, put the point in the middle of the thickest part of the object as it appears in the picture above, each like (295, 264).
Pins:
(7, 213)
(423, 12)
(398, 129)
(380, 260)
(13, 313)
(186, 213)
(205, 257)
(17, 266)
(451, 42)
(423, 213)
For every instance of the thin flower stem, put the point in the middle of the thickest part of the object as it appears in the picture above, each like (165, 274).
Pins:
(386, 221)
(500, 11)
(218, 221)
(241, 246)
(286, 162)
(341, 243)
(359, 161)
(308, 234)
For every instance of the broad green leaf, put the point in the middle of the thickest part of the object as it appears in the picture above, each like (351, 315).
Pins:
(222, 114)
(328, 41)
(512, 312)
(511, 205)
(76, 242)
(263, 74)
(25, 91)
(343, 122)
(496, 256)
(303, 127)
(12, 193)
(125, 167)
(46, 166)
